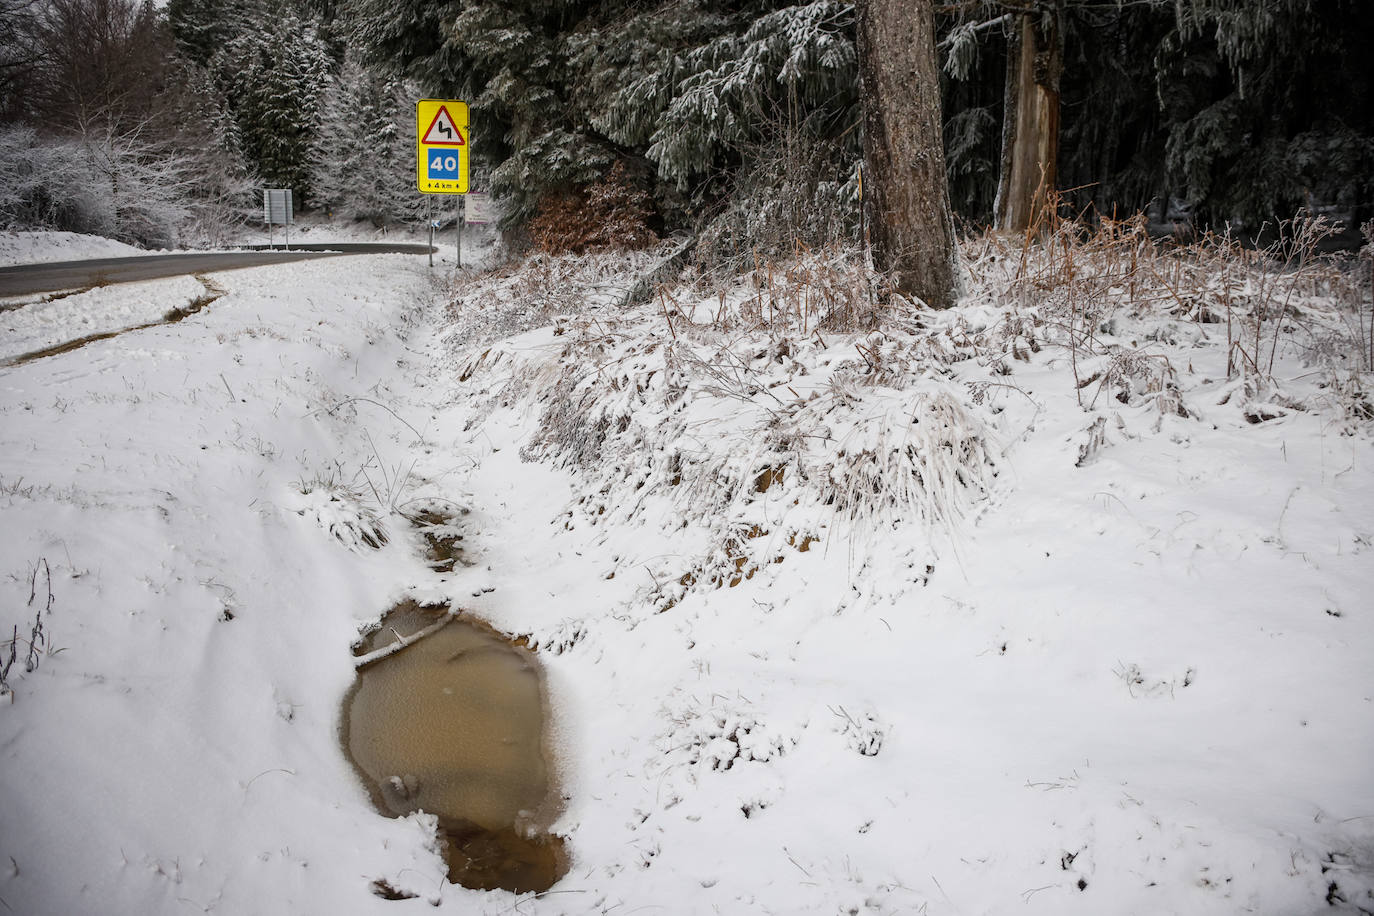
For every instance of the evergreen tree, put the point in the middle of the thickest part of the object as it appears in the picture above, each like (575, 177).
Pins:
(203, 27)
(1245, 108)
(1229, 103)
(365, 169)
(201, 128)
(268, 64)
(277, 78)
(504, 59)
(1285, 119)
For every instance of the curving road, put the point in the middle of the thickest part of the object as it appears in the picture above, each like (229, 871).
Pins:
(25, 279)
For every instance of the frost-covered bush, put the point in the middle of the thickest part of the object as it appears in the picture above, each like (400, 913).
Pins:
(341, 509)
(43, 186)
(796, 402)
(118, 186)
(756, 419)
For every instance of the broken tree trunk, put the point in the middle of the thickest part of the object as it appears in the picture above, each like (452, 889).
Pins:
(1030, 125)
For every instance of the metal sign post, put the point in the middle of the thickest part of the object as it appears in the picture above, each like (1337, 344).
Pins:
(441, 147)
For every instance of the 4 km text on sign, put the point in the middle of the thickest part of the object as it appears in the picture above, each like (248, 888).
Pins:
(441, 133)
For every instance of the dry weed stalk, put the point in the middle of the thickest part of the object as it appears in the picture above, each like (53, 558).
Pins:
(1075, 281)
(38, 636)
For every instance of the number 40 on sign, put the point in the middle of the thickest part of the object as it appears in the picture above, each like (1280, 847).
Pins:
(441, 134)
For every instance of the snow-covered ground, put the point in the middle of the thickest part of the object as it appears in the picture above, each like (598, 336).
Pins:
(956, 616)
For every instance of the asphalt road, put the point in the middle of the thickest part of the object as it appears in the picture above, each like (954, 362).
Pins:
(25, 279)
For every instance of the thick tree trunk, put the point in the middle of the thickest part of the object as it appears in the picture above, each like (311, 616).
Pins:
(906, 188)
(1030, 125)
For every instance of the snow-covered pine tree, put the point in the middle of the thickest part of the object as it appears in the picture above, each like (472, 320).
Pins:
(1284, 118)
(202, 133)
(502, 57)
(1239, 105)
(365, 169)
(202, 27)
(747, 116)
(277, 76)
(1245, 108)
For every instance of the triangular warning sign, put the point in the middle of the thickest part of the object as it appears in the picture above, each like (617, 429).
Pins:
(442, 131)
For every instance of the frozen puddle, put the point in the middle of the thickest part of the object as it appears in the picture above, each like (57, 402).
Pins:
(448, 717)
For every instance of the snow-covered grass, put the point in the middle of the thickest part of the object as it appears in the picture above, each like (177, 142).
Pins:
(1028, 606)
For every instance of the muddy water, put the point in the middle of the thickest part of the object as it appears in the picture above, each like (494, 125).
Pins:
(454, 725)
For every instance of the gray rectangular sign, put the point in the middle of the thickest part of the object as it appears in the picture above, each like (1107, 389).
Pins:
(277, 208)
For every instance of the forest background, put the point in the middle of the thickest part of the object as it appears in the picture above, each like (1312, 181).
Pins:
(738, 121)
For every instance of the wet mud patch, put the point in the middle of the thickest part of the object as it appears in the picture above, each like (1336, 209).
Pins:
(443, 537)
(449, 717)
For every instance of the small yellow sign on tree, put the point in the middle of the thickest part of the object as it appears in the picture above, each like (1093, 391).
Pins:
(441, 134)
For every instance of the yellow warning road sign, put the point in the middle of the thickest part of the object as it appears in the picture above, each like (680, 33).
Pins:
(441, 134)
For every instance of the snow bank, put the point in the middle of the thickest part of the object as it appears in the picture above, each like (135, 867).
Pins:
(22, 247)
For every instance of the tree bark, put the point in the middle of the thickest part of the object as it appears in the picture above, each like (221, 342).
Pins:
(907, 190)
(1030, 125)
